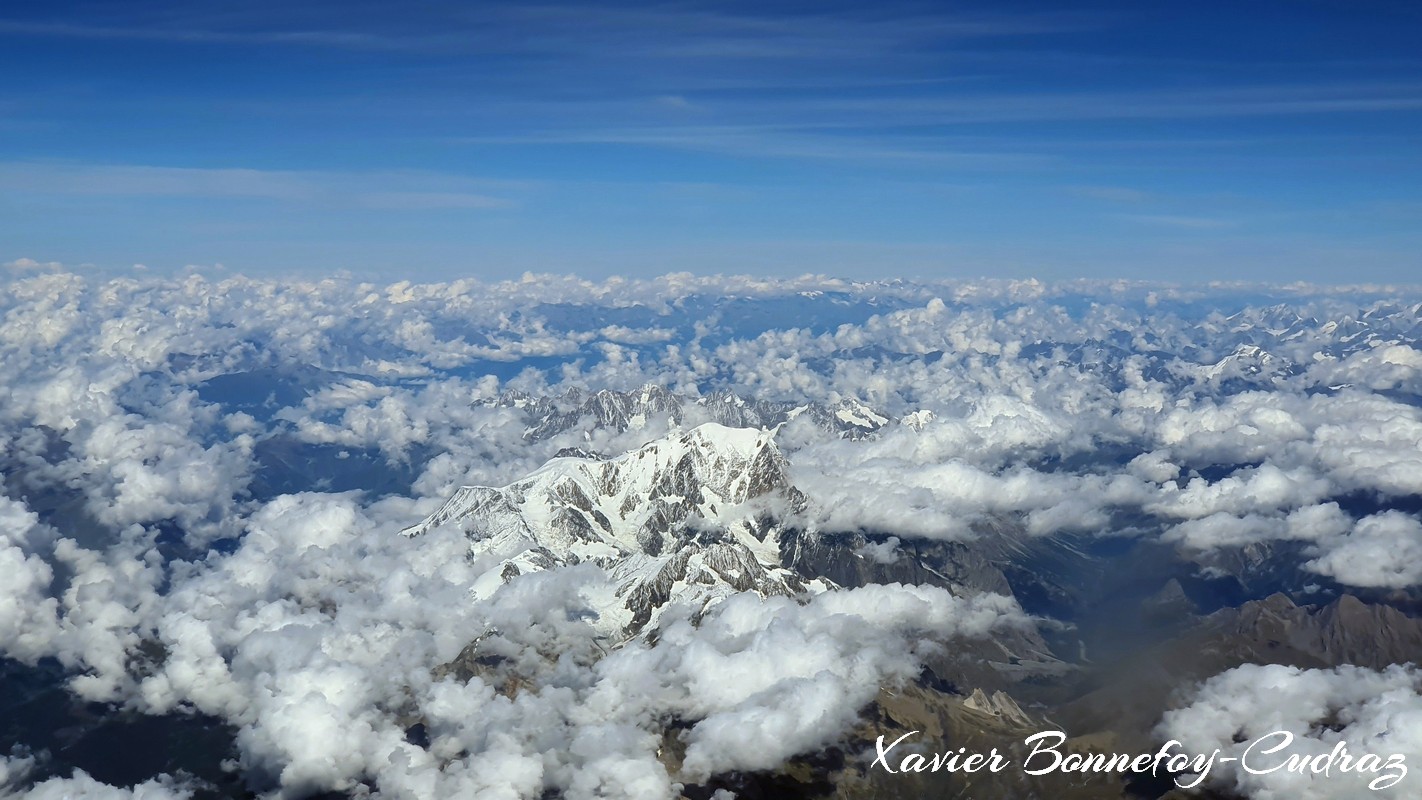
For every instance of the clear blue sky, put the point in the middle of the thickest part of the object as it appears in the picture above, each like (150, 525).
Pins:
(1203, 140)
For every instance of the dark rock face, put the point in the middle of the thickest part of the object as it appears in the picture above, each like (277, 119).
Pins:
(1344, 631)
(837, 557)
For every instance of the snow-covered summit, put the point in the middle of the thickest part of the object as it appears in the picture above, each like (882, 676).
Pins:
(692, 516)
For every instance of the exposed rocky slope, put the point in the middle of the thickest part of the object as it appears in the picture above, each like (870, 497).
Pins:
(1126, 698)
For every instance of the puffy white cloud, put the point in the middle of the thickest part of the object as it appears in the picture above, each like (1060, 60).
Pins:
(1308, 715)
(90, 625)
(1385, 367)
(939, 480)
(1262, 489)
(28, 615)
(316, 638)
(314, 630)
(317, 654)
(15, 781)
(1382, 550)
(31, 265)
(772, 678)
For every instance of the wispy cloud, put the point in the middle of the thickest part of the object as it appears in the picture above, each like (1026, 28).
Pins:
(393, 190)
(921, 128)
(327, 38)
(1112, 194)
(625, 31)
(1206, 102)
(424, 201)
(1180, 221)
(831, 119)
(769, 141)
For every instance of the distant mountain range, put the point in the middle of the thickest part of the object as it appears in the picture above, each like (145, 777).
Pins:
(549, 416)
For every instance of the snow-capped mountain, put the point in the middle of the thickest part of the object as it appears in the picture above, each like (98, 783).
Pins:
(692, 516)
(548, 416)
(1248, 367)
(702, 514)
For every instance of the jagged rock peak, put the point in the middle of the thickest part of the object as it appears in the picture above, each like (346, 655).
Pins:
(998, 704)
(707, 470)
(691, 516)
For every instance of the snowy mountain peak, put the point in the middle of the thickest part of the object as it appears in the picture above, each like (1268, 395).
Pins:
(691, 516)
(621, 411)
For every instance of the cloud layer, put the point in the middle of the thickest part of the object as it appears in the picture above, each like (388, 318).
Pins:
(204, 478)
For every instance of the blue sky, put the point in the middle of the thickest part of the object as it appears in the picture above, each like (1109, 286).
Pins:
(1211, 140)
